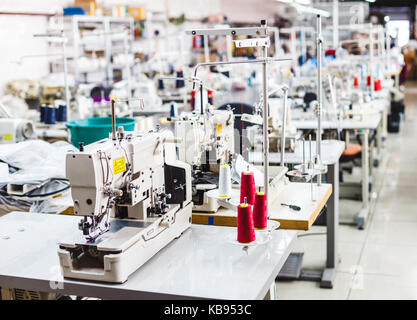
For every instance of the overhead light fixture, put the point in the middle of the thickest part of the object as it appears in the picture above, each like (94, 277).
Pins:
(305, 9)
(303, 2)
(301, 6)
(370, 0)
(386, 18)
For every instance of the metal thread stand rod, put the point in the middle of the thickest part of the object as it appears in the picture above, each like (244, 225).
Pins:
(219, 63)
(264, 61)
(265, 127)
(312, 175)
(284, 124)
(127, 66)
(304, 155)
(371, 60)
(113, 120)
(67, 91)
(201, 98)
(319, 89)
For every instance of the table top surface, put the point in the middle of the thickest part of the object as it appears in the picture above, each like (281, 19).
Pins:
(294, 193)
(369, 121)
(331, 151)
(203, 263)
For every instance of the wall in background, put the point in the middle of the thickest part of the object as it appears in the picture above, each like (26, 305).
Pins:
(249, 11)
(16, 35)
(16, 31)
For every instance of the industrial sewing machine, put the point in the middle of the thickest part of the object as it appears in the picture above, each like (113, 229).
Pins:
(15, 130)
(275, 125)
(134, 197)
(206, 141)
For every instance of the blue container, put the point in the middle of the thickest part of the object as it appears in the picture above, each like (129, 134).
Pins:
(71, 11)
(93, 129)
(50, 114)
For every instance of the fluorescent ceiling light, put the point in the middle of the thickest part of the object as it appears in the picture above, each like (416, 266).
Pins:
(301, 6)
(304, 2)
(311, 10)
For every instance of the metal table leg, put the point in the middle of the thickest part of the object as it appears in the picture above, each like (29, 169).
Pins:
(292, 268)
(363, 213)
(271, 295)
(332, 223)
(379, 134)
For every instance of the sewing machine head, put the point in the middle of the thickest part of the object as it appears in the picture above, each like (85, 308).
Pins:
(206, 139)
(127, 178)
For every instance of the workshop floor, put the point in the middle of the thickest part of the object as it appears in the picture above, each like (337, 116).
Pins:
(380, 261)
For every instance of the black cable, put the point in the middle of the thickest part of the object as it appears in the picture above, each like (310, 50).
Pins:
(29, 193)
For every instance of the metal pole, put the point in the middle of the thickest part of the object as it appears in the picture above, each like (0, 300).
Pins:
(293, 34)
(335, 24)
(206, 48)
(218, 63)
(284, 124)
(201, 98)
(67, 93)
(113, 120)
(229, 47)
(371, 59)
(319, 89)
(128, 77)
(265, 123)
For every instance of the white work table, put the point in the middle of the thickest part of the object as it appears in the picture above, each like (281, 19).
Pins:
(294, 193)
(298, 194)
(202, 263)
(368, 122)
(331, 150)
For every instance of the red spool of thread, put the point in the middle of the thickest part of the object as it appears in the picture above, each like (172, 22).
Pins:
(259, 211)
(210, 97)
(197, 42)
(330, 52)
(378, 85)
(356, 82)
(192, 101)
(245, 227)
(368, 80)
(247, 187)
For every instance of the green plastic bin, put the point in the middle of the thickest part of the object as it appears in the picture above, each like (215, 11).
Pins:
(93, 129)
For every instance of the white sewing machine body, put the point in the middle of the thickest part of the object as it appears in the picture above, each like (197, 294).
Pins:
(206, 142)
(136, 179)
(15, 130)
(211, 132)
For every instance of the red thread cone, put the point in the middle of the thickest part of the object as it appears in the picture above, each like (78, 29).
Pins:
(247, 187)
(356, 82)
(192, 101)
(377, 85)
(368, 80)
(259, 211)
(245, 227)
